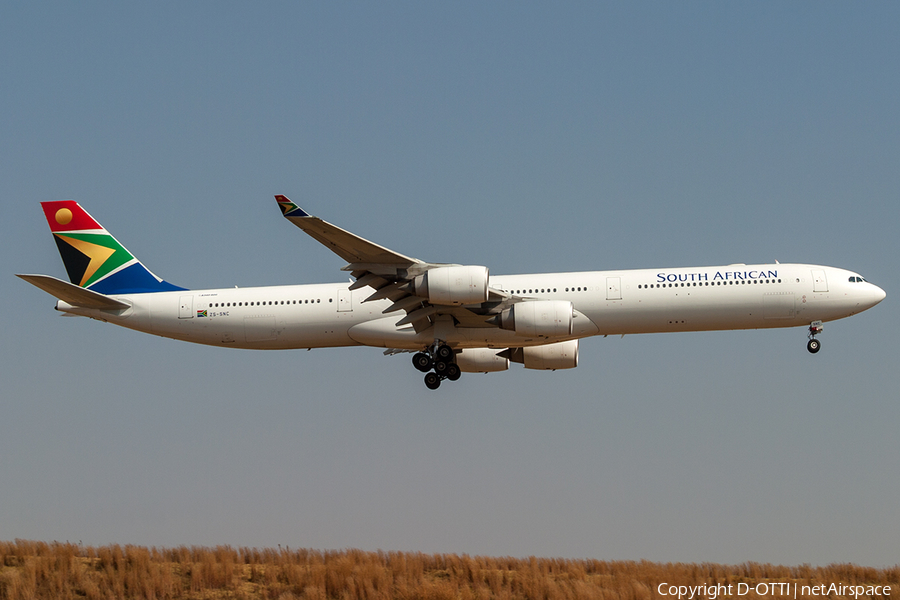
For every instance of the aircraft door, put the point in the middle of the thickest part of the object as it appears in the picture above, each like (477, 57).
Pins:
(613, 288)
(185, 307)
(345, 300)
(820, 284)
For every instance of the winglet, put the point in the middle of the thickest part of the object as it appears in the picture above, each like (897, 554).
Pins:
(288, 208)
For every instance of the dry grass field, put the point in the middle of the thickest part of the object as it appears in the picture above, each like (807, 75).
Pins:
(38, 570)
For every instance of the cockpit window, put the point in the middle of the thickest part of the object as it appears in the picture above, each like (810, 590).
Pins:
(856, 279)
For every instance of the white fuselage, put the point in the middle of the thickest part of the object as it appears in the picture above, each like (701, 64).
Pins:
(606, 302)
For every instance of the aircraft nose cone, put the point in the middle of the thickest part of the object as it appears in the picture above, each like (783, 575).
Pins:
(878, 295)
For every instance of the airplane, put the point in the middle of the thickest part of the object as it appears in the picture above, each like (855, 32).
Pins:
(452, 318)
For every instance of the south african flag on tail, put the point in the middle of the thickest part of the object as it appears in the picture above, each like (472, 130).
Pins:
(288, 208)
(93, 258)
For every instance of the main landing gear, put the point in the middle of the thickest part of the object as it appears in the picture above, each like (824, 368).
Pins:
(814, 345)
(441, 358)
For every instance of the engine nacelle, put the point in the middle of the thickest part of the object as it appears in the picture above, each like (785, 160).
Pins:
(481, 360)
(549, 357)
(454, 286)
(537, 318)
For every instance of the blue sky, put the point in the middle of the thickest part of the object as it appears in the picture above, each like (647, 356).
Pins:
(528, 137)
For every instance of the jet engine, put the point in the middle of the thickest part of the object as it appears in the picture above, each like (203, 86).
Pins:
(537, 318)
(453, 285)
(549, 357)
(481, 360)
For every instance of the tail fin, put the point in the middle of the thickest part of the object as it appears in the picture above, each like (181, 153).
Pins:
(94, 259)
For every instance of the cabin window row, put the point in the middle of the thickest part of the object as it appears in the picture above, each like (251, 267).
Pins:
(707, 283)
(269, 303)
(548, 290)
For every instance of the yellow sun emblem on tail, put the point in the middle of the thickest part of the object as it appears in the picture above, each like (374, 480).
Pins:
(63, 216)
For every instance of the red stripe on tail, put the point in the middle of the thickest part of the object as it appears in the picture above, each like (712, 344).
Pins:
(67, 215)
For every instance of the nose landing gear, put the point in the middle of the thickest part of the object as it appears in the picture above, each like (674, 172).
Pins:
(441, 358)
(814, 345)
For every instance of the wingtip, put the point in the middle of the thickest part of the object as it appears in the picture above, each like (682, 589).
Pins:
(288, 208)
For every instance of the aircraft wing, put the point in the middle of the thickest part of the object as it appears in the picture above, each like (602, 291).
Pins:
(392, 275)
(350, 247)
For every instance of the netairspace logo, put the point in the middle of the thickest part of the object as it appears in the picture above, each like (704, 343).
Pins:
(782, 589)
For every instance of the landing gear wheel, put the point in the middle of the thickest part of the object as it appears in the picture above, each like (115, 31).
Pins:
(422, 362)
(813, 346)
(432, 381)
(440, 367)
(444, 353)
(453, 372)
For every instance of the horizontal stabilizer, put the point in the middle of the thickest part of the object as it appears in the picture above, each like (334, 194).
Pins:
(73, 294)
